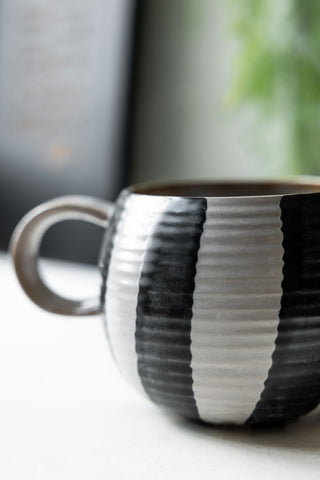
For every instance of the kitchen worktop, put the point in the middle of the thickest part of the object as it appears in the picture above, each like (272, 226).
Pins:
(66, 413)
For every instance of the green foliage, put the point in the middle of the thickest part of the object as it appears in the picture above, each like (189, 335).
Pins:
(278, 69)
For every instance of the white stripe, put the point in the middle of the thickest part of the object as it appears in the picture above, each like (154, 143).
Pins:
(130, 241)
(236, 306)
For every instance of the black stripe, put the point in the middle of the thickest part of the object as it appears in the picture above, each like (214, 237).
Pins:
(165, 306)
(293, 384)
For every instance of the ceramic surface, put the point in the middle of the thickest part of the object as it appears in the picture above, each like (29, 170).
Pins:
(212, 304)
(210, 293)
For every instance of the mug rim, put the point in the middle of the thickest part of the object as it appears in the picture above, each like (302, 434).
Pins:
(230, 188)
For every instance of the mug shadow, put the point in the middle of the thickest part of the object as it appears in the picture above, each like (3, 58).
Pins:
(304, 434)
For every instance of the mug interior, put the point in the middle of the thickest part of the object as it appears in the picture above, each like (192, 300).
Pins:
(230, 189)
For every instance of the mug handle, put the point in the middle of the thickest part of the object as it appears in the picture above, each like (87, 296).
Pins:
(26, 241)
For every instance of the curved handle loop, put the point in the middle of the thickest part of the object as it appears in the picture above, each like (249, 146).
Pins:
(25, 245)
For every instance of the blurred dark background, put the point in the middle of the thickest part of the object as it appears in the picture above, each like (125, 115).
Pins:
(97, 95)
(64, 86)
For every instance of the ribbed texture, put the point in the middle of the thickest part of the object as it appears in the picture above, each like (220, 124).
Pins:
(164, 309)
(293, 385)
(236, 306)
(193, 294)
(107, 245)
(136, 221)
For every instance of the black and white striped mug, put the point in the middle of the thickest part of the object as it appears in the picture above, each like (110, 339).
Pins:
(211, 293)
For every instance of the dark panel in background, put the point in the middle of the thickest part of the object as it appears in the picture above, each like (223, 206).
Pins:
(157, 106)
(64, 83)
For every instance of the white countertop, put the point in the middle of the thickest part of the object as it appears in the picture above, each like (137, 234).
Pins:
(66, 413)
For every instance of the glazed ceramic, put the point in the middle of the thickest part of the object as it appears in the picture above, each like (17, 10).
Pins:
(210, 293)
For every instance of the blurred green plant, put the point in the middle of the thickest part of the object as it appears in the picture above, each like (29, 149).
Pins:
(278, 70)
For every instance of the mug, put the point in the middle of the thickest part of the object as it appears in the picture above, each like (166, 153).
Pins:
(210, 293)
